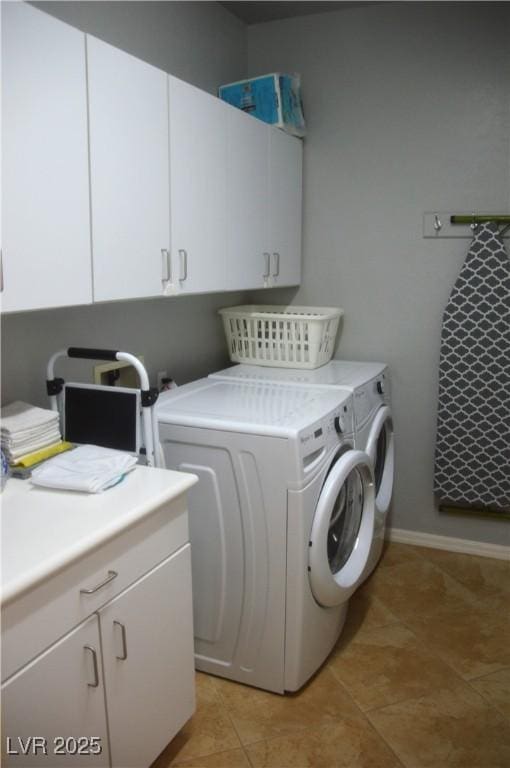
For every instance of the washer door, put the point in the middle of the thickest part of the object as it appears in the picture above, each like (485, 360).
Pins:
(381, 450)
(342, 529)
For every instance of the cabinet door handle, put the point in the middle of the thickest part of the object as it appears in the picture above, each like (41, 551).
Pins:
(183, 255)
(267, 270)
(111, 576)
(1, 271)
(95, 684)
(276, 269)
(166, 267)
(124, 644)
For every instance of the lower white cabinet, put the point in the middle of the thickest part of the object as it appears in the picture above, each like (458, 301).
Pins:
(147, 640)
(56, 699)
(115, 689)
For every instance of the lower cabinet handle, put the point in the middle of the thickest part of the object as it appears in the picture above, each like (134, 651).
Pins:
(276, 270)
(124, 644)
(111, 576)
(267, 270)
(165, 265)
(1, 271)
(184, 264)
(95, 684)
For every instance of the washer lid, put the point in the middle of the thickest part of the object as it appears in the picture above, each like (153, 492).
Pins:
(257, 407)
(342, 530)
(337, 373)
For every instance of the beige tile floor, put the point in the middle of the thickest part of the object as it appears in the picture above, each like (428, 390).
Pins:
(419, 678)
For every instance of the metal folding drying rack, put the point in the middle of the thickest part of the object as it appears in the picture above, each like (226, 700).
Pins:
(149, 395)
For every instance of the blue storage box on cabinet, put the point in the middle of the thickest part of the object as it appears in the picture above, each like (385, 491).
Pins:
(274, 98)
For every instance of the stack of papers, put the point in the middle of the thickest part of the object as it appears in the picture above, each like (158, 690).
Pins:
(27, 428)
(89, 468)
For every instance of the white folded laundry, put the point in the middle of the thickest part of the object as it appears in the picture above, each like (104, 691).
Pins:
(18, 416)
(15, 451)
(28, 435)
(88, 468)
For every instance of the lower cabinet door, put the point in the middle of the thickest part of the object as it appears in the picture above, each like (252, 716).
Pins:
(147, 636)
(53, 710)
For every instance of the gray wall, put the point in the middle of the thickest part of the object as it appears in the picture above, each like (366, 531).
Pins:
(183, 336)
(407, 108)
(200, 42)
(205, 45)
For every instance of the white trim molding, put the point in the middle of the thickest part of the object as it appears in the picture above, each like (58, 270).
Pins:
(417, 538)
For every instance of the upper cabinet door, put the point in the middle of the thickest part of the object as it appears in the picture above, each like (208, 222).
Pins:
(285, 202)
(198, 184)
(45, 184)
(248, 263)
(128, 118)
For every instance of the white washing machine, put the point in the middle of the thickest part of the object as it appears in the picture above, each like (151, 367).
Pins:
(281, 523)
(373, 420)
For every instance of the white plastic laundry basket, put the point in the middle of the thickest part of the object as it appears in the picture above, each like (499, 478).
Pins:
(288, 337)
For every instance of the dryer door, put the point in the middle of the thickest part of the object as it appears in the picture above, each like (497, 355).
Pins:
(381, 450)
(342, 529)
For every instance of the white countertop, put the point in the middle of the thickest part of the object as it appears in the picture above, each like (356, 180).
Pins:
(44, 530)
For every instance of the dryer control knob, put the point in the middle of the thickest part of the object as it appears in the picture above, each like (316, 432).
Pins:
(380, 387)
(339, 424)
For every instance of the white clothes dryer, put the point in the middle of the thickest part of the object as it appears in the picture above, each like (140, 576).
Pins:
(373, 419)
(281, 523)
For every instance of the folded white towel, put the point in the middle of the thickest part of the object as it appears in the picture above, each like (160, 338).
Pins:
(20, 416)
(27, 435)
(15, 452)
(89, 468)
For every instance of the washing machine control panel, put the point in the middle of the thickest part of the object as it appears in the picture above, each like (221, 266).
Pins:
(369, 397)
(327, 433)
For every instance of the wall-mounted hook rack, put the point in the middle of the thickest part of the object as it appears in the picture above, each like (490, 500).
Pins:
(438, 224)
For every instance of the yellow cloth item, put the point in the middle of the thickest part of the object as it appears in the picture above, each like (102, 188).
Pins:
(45, 453)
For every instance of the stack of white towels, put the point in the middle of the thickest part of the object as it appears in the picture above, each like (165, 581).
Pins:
(27, 428)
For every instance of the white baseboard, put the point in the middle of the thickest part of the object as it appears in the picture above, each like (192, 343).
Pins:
(417, 538)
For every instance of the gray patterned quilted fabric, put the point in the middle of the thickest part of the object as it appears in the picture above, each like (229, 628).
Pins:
(472, 463)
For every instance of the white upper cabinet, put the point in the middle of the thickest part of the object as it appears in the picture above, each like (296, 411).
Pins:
(151, 187)
(248, 264)
(128, 119)
(198, 184)
(45, 183)
(285, 200)
(264, 203)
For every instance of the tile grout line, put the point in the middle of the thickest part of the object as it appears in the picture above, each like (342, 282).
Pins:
(487, 674)
(325, 727)
(489, 703)
(381, 736)
(367, 720)
(447, 573)
(227, 710)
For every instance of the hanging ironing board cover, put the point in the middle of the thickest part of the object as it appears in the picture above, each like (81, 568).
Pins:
(472, 463)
